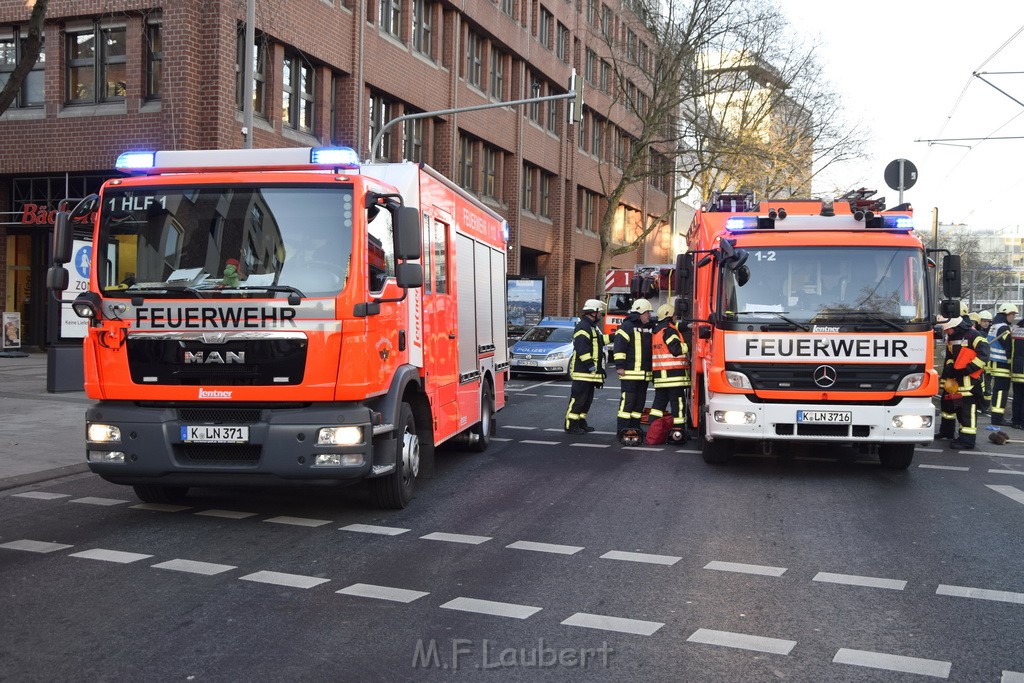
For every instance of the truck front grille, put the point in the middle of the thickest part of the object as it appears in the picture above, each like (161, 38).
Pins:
(221, 454)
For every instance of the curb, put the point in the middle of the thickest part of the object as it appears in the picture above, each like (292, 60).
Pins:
(43, 475)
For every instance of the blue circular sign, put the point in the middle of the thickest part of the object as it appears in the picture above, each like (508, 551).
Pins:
(83, 261)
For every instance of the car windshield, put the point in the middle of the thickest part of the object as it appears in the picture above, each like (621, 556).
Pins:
(562, 335)
(812, 284)
(253, 241)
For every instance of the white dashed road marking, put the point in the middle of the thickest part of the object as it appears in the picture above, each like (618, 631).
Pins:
(111, 556)
(641, 448)
(1010, 492)
(298, 521)
(617, 624)
(1008, 455)
(546, 547)
(374, 529)
(742, 641)
(745, 568)
(41, 495)
(90, 500)
(880, 660)
(280, 579)
(640, 557)
(517, 427)
(854, 580)
(591, 445)
(368, 590)
(1012, 677)
(34, 546)
(498, 438)
(945, 467)
(456, 538)
(497, 609)
(980, 594)
(1005, 472)
(541, 443)
(226, 514)
(160, 507)
(193, 567)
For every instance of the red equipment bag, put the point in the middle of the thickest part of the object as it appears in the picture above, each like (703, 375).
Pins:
(657, 433)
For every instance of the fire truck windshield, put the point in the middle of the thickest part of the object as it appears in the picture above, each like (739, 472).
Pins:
(862, 285)
(239, 240)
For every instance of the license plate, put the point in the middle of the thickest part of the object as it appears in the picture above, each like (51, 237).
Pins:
(528, 362)
(214, 434)
(830, 416)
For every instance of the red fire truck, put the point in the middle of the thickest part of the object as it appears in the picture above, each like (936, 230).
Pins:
(365, 324)
(623, 286)
(810, 321)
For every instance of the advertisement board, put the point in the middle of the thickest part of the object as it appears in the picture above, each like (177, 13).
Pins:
(12, 330)
(525, 304)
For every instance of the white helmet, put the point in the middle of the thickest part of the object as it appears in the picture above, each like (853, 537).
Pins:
(950, 324)
(593, 305)
(985, 315)
(641, 306)
(1008, 308)
(964, 309)
(665, 311)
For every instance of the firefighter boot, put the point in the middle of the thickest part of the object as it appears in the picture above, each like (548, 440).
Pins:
(586, 427)
(574, 427)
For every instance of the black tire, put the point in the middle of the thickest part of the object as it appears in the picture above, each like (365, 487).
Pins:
(484, 430)
(896, 456)
(151, 493)
(394, 491)
(716, 452)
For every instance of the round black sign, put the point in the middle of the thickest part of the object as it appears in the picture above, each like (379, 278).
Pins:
(892, 174)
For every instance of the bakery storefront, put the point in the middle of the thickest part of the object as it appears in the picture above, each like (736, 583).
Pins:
(27, 220)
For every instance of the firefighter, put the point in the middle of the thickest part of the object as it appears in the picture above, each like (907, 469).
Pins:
(985, 322)
(999, 363)
(587, 366)
(966, 355)
(1017, 374)
(670, 363)
(632, 357)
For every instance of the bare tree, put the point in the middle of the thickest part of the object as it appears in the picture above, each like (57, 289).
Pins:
(985, 275)
(27, 59)
(718, 101)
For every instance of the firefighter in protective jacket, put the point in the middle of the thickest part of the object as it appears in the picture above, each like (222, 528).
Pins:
(966, 355)
(670, 363)
(999, 361)
(587, 366)
(1017, 374)
(632, 356)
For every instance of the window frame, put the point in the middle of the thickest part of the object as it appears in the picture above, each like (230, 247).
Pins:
(99, 62)
(154, 61)
(259, 74)
(496, 79)
(17, 51)
(381, 111)
(422, 27)
(474, 59)
(389, 17)
(298, 92)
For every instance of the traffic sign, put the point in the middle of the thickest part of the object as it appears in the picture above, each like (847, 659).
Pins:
(900, 174)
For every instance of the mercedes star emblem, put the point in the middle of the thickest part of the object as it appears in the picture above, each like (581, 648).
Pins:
(825, 376)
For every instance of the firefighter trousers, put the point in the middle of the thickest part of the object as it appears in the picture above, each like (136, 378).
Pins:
(1000, 393)
(581, 397)
(1017, 405)
(631, 404)
(962, 411)
(670, 398)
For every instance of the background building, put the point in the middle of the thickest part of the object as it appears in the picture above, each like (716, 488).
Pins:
(120, 75)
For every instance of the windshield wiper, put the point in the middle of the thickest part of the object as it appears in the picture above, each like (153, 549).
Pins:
(869, 315)
(165, 287)
(275, 288)
(779, 314)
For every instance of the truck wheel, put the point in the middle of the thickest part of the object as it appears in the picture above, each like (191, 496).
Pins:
(160, 494)
(394, 491)
(484, 429)
(896, 456)
(716, 452)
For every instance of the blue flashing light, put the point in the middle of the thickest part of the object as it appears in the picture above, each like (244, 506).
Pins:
(335, 156)
(898, 222)
(741, 223)
(135, 161)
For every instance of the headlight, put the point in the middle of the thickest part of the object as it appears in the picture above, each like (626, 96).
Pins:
(737, 380)
(911, 421)
(101, 433)
(735, 417)
(116, 457)
(912, 381)
(557, 355)
(338, 460)
(339, 436)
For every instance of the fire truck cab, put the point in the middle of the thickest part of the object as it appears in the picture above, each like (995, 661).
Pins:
(362, 323)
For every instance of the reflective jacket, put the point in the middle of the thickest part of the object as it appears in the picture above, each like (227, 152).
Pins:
(999, 346)
(587, 359)
(966, 355)
(670, 359)
(633, 348)
(1017, 352)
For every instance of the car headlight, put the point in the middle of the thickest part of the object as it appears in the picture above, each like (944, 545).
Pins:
(911, 381)
(737, 380)
(102, 433)
(339, 436)
(557, 355)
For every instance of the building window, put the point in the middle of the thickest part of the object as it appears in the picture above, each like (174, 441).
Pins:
(381, 111)
(259, 73)
(528, 196)
(533, 110)
(592, 13)
(553, 115)
(545, 194)
(606, 21)
(391, 16)
(474, 59)
(596, 136)
(544, 30)
(581, 135)
(631, 42)
(509, 7)
(154, 62)
(497, 73)
(490, 186)
(12, 48)
(606, 76)
(422, 20)
(590, 67)
(563, 43)
(297, 92)
(96, 69)
(414, 139)
(467, 171)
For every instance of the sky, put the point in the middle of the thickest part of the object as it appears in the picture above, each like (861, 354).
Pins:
(903, 70)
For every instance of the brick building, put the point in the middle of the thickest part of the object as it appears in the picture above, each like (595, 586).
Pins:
(121, 75)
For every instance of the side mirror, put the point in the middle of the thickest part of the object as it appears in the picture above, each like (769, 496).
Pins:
(409, 275)
(951, 276)
(950, 308)
(63, 237)
(57, 278)
(636, 287)
(742, 274)
(408, 241)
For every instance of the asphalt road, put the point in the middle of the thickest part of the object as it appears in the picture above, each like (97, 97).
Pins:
(546, 556)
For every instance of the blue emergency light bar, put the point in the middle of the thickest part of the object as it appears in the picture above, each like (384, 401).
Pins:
(334, 156)
(892, 223)
(135, 161)
(296, 158)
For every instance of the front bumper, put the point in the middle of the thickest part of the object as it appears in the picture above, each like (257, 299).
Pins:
(282, 444)
(544, 367)
(778, 421)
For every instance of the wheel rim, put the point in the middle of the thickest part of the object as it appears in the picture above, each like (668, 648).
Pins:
(410, 456)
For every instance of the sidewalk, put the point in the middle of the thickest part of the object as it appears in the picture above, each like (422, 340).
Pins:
(42, 435)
